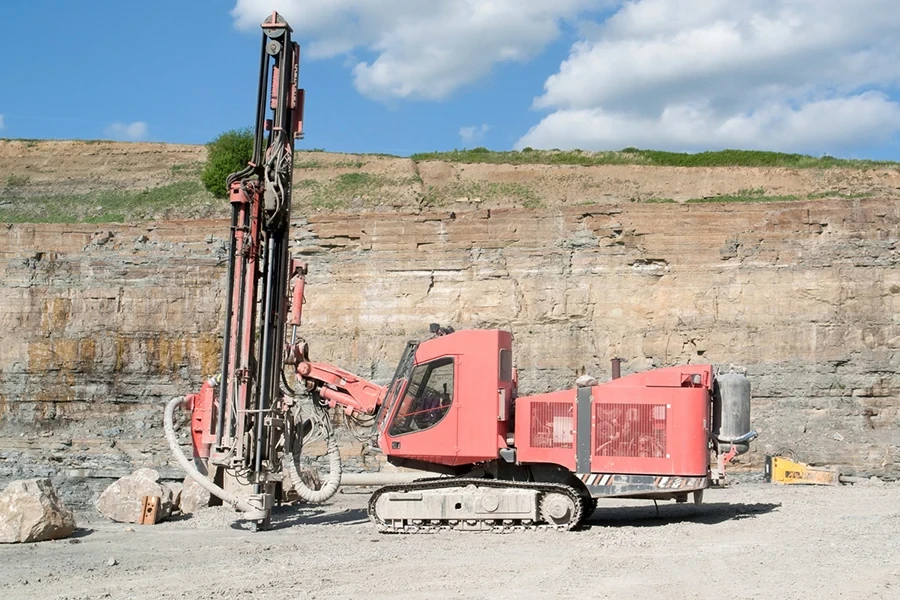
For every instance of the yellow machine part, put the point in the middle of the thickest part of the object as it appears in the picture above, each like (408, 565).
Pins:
(784, 470)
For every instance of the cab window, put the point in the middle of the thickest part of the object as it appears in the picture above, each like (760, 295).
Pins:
(427, 399)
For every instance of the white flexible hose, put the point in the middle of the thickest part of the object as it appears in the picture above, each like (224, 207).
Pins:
(226, 497)
(334, 473)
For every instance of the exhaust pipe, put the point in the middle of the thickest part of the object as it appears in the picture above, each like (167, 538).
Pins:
(616, 367)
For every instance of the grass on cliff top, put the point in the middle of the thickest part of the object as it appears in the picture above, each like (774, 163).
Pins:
(480, 191)
(182, 200)
(659, 158)
(348, 190)
(760, 195)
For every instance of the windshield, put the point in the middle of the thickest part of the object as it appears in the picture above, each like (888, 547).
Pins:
(427, 399)
(398, 383)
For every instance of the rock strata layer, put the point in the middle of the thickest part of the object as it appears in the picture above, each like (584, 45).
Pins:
(102, 324)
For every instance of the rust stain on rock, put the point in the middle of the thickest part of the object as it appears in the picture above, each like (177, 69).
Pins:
(55, 314)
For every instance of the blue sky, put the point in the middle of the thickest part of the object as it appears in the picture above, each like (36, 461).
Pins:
(187, 71)
(403, 76)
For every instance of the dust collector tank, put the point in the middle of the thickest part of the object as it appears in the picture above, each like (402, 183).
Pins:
(731, 412)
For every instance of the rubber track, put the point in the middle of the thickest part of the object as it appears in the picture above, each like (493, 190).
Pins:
(454, 483)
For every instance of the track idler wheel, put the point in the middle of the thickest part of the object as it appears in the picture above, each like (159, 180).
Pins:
(558, 508)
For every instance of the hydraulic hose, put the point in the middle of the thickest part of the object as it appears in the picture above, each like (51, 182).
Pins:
(250, 512)
(331, 485)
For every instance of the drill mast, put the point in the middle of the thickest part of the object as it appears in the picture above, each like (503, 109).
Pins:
(259, 271)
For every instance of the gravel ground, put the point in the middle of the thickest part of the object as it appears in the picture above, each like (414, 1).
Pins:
(749, 541)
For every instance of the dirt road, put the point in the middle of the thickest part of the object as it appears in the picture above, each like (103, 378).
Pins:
(749, 541)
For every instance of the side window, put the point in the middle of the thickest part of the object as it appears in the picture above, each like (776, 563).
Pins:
(427, 399)
(505, 365)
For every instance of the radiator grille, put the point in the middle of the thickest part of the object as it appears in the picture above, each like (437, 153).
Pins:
(552, 424)
(630, 430)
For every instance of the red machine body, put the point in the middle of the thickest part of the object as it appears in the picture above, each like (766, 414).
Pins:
(655, 423)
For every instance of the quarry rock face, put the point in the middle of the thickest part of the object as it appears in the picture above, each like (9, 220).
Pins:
(803, 295)
(31, 511)
(123, 500)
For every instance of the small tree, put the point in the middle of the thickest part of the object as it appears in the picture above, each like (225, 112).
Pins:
(228, 153)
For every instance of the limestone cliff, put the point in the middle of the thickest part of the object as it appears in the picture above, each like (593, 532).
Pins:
(101, 324)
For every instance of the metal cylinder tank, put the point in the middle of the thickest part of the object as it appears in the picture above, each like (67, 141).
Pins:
(731, 411)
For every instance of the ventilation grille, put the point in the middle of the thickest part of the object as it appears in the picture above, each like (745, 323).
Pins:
(552, 425)
(630, 430)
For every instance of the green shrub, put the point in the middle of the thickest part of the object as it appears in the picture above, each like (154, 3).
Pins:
(354, 179)
(226, 154)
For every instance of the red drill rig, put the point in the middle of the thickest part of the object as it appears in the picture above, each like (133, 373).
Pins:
(452, 408)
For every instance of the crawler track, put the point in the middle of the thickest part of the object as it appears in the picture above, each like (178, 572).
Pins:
(486, 524)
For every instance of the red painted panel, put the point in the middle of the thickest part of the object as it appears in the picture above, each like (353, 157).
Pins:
(546, 429)
(677, 444)
(650, 423)
(552, 425)
(201, 406)
(629, 430)
(472, 431)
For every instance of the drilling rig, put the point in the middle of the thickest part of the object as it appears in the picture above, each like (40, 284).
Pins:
(496, 460)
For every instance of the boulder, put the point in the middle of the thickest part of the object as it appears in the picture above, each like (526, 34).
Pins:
(193, 496)
(30, 511)
(586, 381)
(123, 500)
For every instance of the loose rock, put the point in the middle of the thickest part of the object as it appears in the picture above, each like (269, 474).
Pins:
(123, 500)
(193, 496)
(586, 381)
(30, 511)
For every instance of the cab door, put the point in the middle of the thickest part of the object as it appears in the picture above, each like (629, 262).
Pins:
(424, 425)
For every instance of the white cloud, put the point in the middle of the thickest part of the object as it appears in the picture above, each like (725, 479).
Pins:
(2, 124)
(813, 127)
(423, 49)
(131, 132)
(473, 133)
(804, 75)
